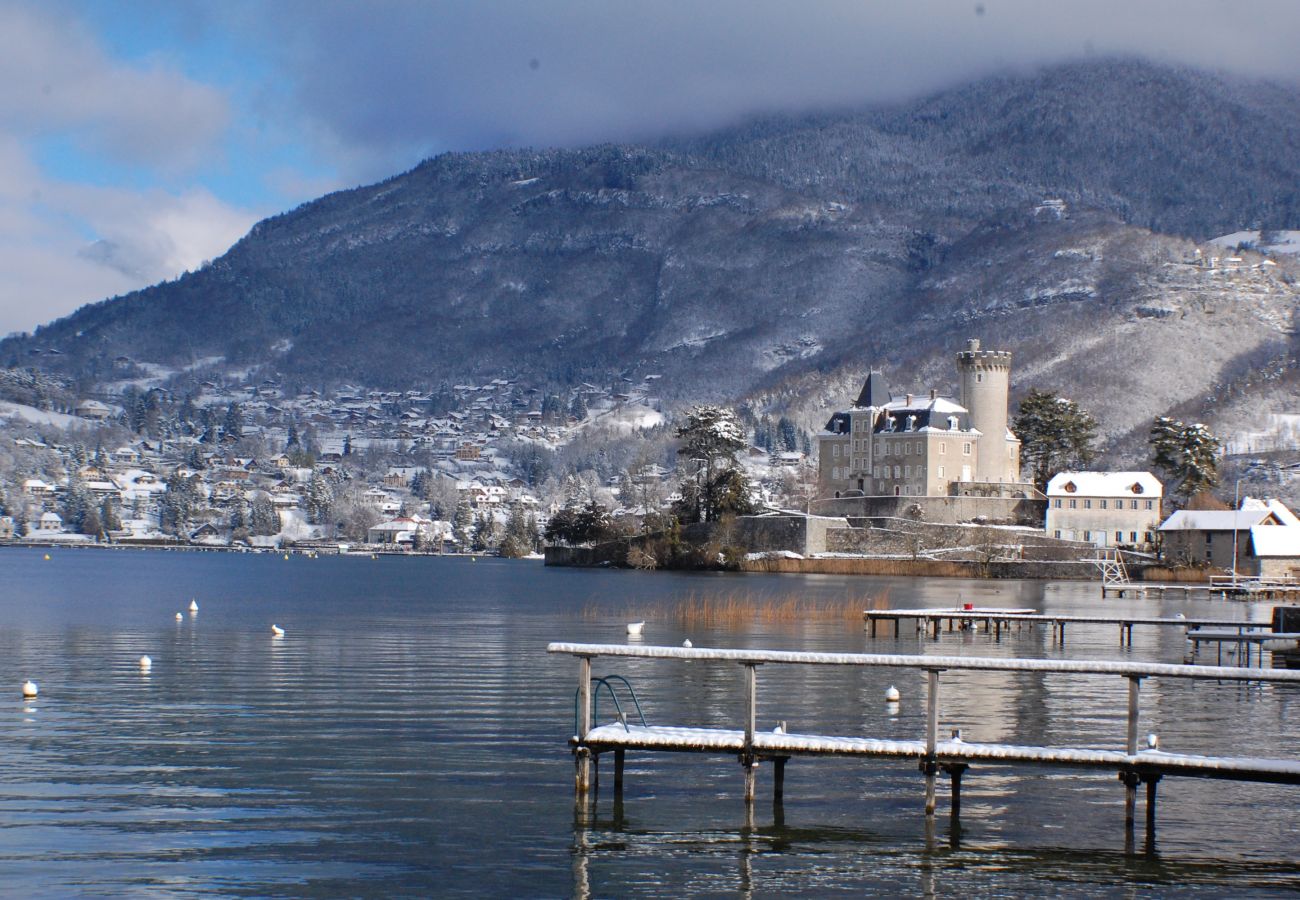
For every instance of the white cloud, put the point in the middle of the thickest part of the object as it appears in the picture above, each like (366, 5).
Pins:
(66, 243)
(63, 245)
(57, 80)
(393, 78)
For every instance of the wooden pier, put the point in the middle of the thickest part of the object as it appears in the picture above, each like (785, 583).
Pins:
(1244, 642)
(1133, 764)
(995, 620)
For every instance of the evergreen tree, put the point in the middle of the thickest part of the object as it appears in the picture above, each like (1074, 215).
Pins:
(238, 517)
(1055, 435)
(320, 501)
(578, 409)
(108, 517)
(232, 426)
(291, 443)
(177, 504)
(789, 437)
(485, 532)
(347, 445)
(1187, 454)
(714, 486)
(461, 524)
(263, 519)
(76, 505)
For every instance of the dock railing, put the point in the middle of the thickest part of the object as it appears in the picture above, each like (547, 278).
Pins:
(1134, 765)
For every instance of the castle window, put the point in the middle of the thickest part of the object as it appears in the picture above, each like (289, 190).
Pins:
(943, 447)
(1119, 537)
(896, 472)
(1057, 503)
(1087, 504)
(907, 471)
(1103, 504)
(835, 451)
(979, 377)
(1132, 537)
(965, 448)
(941, 471)
(1148, 506)
(1073, 503)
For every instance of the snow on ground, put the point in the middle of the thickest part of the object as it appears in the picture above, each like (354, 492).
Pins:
(1281, 433)
(627, 417)
(37, 416)
(1287, 241)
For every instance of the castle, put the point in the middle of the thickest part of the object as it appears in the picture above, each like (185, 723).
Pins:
(928, 446)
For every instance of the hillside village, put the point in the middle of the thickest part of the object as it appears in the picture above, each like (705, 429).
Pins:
(474, 468)
(262, 466)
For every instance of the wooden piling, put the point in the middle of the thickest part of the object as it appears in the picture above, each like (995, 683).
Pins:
(619, 755)
(931, 736)
(582, 756)
(778, 778)
(747, 758)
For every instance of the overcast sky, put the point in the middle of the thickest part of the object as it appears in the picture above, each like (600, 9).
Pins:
(139, 139)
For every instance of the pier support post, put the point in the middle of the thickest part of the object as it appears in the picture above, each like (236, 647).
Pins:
(1151, 782)
(751, 716)
(582, 756)
(778, 779)
(931, 737)
(1130, 780)
(955, 771)
(619, 755)
(1131, 735)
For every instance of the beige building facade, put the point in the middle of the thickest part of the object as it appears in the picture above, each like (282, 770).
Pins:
(931, 445)
(1108, 509)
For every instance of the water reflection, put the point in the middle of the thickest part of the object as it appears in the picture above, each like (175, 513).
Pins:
(407, 738)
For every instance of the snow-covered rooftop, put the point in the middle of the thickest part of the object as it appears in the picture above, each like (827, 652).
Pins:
(1105, 484)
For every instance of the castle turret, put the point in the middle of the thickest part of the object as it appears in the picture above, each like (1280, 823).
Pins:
(985, 377)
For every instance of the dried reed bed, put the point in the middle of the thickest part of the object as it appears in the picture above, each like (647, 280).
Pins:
(741, 608)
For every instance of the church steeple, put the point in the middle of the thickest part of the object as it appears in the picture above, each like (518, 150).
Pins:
(874, 391)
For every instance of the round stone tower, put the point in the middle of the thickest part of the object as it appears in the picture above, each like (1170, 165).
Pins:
(985, 377)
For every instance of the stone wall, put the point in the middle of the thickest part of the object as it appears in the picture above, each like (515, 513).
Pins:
(943, 510)
(905, 537)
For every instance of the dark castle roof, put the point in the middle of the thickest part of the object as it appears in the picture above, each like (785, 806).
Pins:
(874, 391)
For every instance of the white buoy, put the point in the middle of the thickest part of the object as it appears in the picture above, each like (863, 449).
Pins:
(30, 689)
(1153, 741)
(277, 631)
(179, 617)
(145, 663)
(194, 606)
(687, 644)
(634, 628)
(892, 695)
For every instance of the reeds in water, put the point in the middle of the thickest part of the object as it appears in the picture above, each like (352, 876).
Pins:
(738, 609)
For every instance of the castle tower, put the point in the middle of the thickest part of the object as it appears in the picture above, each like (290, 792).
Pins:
(985, 377)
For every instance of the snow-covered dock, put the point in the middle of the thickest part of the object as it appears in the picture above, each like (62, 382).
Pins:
(1134, 765)
(933, 620)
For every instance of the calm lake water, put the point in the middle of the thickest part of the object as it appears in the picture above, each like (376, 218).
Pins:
(407, 737)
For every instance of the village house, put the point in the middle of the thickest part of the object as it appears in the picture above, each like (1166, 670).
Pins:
(401, 530)
(1264, 534)
(913, 446)
(1108, 509)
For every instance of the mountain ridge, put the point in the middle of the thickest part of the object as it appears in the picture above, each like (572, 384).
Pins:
(757, 260)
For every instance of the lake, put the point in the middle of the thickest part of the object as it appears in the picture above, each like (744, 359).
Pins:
(407, 737)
